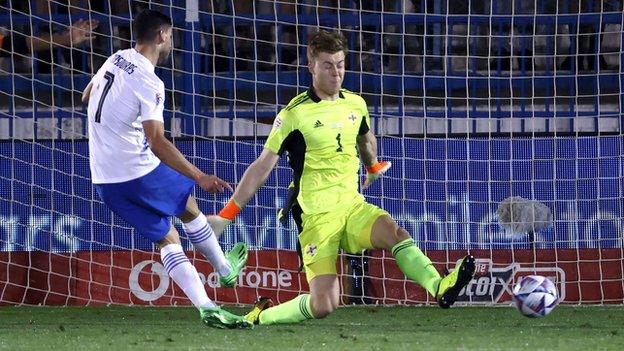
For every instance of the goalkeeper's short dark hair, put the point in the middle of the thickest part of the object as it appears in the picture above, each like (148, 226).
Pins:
(324, 41)
(148, 24)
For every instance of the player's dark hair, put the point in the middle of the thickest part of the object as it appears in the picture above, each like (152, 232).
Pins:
(324, 41)
(148, 24)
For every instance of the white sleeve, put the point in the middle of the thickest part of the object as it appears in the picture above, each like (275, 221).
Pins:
(151, 97)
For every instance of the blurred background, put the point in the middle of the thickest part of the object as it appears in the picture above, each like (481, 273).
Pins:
(467, 66)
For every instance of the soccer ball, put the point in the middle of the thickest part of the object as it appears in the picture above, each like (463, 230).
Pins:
(535, 296)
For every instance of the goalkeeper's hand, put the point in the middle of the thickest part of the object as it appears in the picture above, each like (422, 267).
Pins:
(375, 171)
(224, 218)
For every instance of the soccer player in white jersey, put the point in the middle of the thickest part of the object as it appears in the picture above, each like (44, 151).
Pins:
(143, 177)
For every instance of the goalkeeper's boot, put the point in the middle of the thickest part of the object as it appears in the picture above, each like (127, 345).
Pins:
(218, 318)
(261, 304)
(238, 259)
(451, 285)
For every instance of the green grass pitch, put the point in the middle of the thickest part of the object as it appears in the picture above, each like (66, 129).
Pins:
(351, 328)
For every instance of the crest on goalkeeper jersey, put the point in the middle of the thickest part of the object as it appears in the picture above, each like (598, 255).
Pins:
(352, 117)
(310, 250)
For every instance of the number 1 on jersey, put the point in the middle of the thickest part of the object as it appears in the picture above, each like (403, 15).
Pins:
(339, 149)
(109, 82)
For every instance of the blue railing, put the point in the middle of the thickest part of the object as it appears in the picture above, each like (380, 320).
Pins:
(433, 88)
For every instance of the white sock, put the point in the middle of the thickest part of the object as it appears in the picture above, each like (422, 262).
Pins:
(185, 275)
(205, 241)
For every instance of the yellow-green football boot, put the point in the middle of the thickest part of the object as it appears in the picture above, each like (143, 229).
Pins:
(451, 285)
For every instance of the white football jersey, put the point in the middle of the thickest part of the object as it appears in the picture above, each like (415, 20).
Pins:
(125, 92)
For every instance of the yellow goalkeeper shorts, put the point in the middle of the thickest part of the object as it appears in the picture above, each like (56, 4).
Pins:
(324, 233)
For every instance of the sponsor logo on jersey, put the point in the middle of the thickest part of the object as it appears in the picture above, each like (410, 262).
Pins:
(318, 124)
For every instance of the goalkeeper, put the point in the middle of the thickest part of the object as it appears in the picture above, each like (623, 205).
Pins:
(322, 131)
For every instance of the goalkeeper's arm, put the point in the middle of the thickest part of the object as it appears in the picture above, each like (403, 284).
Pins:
(367, 145)
(254, 177)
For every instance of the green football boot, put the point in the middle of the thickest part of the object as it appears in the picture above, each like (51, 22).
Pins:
(451, 285)
(238, 259)
(218, 318)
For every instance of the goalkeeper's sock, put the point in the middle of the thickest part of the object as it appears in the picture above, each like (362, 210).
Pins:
(205, 241)
(185, 275)
(416, 266)
(293, 311)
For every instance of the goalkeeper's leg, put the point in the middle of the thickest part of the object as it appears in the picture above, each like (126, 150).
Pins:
(320, 240)
(323, 299)
(386, 234)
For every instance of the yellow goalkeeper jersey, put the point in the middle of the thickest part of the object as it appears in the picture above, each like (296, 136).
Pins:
(320, 139)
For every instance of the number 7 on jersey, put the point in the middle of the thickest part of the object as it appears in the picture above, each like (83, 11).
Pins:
(110, 78)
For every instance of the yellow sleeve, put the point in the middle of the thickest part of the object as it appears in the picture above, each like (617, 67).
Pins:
(282, 127)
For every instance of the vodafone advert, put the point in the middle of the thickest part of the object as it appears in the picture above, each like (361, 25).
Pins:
(136, 277)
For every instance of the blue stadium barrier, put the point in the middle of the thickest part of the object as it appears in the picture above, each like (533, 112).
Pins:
(445, 192)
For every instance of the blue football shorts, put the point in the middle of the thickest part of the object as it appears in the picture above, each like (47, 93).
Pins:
(148, 202)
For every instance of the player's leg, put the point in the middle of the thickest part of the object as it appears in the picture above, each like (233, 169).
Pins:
(323, 299)
(186, 277)
(319, 241)
(386, 234)
(147, 203)
(181, 270)
(372, 227)
(136, 204)
(324, 295)
(205, 241)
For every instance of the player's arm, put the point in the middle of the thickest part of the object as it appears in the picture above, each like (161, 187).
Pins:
(172, 157)
(257, 173)
(367, 145)
(87, 93)
(254, 177)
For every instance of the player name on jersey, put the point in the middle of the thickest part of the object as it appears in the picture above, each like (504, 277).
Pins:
(124, 64)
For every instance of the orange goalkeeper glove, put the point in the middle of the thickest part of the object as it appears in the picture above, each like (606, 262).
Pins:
(375, 171)
(224, 218)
